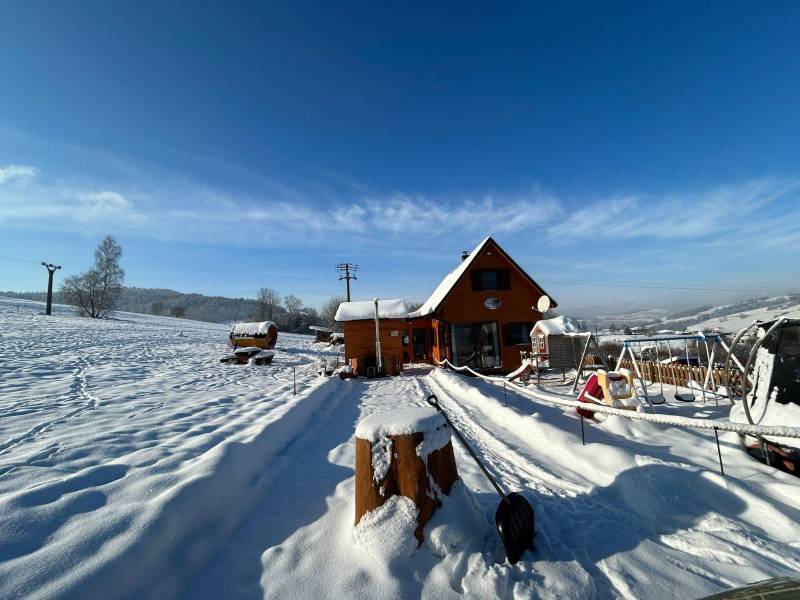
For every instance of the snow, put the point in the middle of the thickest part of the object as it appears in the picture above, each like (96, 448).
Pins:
(247, 350)
(400, 421)
(556, 326)
(526, 364)
(169, 475)
(320, 328)
(447, 284)
(365, 309)
(260, 328)
(387, 533)
(738, 321)
(377, 428)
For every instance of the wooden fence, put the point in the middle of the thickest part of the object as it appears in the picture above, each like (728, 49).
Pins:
(671, 373)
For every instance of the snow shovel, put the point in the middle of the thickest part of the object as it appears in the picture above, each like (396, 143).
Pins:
(514, 517)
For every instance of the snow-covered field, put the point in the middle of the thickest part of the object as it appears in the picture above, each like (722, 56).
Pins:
(735, 322)
(133, 464)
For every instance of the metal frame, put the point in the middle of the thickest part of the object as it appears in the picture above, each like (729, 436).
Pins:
(589, 339)
(627, 346)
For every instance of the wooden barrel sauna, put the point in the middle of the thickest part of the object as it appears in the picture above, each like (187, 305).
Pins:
(263, 334)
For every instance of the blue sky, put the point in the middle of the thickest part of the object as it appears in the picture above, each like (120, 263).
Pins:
(230, 146)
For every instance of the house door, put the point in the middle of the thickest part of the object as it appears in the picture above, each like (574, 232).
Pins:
(419, 339)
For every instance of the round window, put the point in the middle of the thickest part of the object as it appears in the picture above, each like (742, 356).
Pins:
(492, 303)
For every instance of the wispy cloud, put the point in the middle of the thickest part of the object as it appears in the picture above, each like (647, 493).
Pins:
(178, 209)
(25, 198)
(19, 174)
(693, 215)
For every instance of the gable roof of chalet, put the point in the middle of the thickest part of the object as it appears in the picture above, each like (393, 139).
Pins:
(451, 280)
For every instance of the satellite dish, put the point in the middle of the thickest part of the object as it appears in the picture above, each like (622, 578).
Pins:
(543, 304)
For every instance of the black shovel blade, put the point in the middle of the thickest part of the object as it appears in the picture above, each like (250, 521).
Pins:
(684, 398)
(515, 523)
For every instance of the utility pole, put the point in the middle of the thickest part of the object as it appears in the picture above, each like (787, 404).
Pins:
(51, 268)
(347, 272)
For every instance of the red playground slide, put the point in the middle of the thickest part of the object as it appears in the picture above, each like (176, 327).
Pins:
(591, 393)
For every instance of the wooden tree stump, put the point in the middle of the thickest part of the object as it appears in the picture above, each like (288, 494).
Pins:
(407, 452)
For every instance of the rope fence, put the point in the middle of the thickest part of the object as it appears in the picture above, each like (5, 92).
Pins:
(674, 420)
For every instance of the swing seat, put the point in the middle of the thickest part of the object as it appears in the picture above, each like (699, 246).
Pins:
(618, 390)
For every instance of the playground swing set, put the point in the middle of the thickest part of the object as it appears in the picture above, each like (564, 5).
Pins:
(604, 386)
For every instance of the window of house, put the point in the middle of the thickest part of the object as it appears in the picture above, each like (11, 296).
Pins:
(515, 334)
(476, 345)
(491, 279)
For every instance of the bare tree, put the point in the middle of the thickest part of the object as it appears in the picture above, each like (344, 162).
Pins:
(328, 312)
(294, 306)
(292, 303)
(268, 300)
(81, 291)
(96, 291)
(178, 311)
(157, 308)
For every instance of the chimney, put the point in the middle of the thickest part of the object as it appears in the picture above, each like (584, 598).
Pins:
(464, 255)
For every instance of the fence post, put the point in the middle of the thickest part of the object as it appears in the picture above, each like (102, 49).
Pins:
(719, 453)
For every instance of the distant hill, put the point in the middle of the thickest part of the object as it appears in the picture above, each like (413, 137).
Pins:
(213, 309)
(701, 315)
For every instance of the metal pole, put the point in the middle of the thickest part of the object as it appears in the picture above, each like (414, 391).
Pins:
(700, 367)
(505, 397)
(719, 453)
(294, 381)
(51, 268)
(583, 436)
(689, 368)
(378, 358)
(580, 366)
(658, 370)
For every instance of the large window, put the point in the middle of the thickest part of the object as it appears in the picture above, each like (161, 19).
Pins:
(517, 334)
(491, 279)
(476, 345)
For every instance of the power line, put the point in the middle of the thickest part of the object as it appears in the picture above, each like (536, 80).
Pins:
(19, 260)
(347, 272)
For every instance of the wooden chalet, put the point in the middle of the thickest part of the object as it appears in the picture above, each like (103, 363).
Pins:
(480, 315)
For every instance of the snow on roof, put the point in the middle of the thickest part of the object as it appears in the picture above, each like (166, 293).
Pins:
(452, 278)
(253, 328)
(365, 309)
(320, 328)
(557, 326)
(441, 291)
